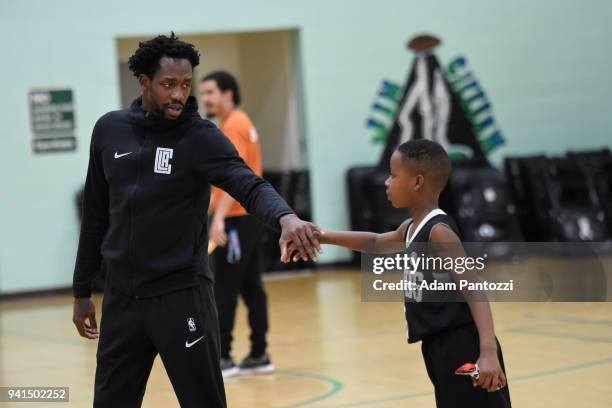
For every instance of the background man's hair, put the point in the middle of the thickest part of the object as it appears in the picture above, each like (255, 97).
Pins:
(146, 58)
(429, 158)
(225, 81)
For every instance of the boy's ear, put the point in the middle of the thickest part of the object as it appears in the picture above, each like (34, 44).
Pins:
(419, 181)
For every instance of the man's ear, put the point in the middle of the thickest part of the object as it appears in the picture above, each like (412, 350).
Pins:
(144, 82)
(228, 93)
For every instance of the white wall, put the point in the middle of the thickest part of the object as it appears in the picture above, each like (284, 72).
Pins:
(269, 97)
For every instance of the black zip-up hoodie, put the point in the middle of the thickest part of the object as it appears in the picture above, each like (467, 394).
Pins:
(146, 197)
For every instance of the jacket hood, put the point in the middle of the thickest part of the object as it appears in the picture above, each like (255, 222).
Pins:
(155, 120)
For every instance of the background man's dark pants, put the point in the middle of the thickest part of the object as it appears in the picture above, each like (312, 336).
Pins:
(181, 326)
(241, 278)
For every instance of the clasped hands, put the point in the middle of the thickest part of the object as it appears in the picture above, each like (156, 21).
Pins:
(299, 239)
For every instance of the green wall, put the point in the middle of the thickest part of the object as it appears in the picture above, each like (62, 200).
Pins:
(544, 65)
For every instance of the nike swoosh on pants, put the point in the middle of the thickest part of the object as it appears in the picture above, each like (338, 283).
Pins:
(188, 344)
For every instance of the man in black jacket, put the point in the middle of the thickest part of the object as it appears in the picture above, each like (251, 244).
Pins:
(144, 216)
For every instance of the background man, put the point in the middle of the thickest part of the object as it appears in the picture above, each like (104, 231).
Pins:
(237, 263)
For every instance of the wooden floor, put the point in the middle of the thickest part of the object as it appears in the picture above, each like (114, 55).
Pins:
(331, 350)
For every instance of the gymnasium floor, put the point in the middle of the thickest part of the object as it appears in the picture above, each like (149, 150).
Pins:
(333, 351)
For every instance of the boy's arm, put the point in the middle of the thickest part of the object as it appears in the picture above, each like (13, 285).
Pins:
(369, 242)
(491, 375)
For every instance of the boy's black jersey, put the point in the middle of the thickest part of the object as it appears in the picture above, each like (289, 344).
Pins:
(425, 317)
(146, 196)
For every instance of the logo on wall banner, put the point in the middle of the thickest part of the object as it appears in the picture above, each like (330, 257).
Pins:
(447, 107)
(162, 160)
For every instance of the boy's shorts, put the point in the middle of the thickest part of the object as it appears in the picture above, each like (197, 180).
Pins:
(447, 351)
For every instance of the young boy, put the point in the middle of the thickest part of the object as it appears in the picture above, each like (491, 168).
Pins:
(452, 333)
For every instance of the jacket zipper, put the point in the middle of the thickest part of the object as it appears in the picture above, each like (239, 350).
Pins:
(131, 200)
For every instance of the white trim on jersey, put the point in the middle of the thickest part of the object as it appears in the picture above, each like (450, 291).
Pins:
(428, 217)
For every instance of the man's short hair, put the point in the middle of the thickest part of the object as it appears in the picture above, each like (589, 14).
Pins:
(225, 81)
(145, 59)
(429, 158)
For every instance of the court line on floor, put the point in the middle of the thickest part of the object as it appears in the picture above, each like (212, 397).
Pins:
(511, 380)
(336, 387)
(572, 319)
(559, 335)
(561, 370)
(336, 384)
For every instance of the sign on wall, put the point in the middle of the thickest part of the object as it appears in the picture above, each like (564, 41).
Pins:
(52, 120)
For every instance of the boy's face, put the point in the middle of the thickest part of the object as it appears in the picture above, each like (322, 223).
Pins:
(403, 183)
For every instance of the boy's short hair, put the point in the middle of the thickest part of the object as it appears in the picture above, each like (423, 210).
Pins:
(429, 158)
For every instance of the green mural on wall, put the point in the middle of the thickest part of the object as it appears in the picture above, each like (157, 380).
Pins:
(449, 106)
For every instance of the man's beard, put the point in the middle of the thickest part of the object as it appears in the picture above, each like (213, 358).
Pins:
(157, 110)
(160, 110)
